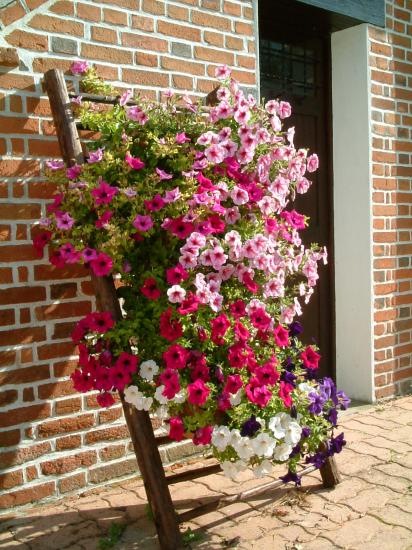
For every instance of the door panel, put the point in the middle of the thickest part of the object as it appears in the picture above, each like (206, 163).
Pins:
(295, 67)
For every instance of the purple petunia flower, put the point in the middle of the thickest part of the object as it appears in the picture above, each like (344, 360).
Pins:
(250, 427)
(95, 156)
(291, 477)
(64, 221)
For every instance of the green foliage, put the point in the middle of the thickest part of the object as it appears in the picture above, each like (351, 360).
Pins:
(113, 537)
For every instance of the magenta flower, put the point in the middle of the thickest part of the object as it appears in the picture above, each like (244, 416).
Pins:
(134, 162)
(89, 254)
(176, 357)
(181, 138)
(104, 193)
(172, 196)
(54, 164)
(104, 219)
(40, 241)
(64, 221)
(157, 203)
(150, 289)
(73, 172)
(95, 156)
(310, 358)
(142, 223)
(198, 393)
(176, 428)
(127, 362)
(99, 322)
(79, 67)
(163, 175)
(203, 436)
(175, 275)
(124, 98)
(281, 336)
(102, 265)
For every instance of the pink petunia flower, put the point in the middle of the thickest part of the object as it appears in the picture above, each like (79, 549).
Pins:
(64, 221)
(79, 67)
(198, 393)
(222, 72)
(124, 98)
(134, 162)
(102, 265)
(142, 223)
(104, 193)
(95, 156)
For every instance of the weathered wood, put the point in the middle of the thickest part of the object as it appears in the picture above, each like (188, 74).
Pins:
(193, 473)
(221, 502)
(329, 471)
(138, 422)
(64, 122)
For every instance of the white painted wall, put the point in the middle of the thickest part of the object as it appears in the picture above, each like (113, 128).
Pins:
(352, 212)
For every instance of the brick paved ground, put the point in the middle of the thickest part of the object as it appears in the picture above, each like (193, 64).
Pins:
(370, 510)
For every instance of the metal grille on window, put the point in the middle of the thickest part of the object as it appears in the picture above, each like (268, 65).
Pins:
(287, 70)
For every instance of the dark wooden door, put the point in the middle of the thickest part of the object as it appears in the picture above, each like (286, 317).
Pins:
(295, 67)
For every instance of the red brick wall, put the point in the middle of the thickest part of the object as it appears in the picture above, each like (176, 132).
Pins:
(391, 88)
(53, 441)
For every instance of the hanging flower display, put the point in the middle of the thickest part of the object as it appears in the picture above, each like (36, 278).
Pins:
(194, 211)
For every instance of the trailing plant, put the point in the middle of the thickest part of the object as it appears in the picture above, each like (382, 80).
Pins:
(193, 212)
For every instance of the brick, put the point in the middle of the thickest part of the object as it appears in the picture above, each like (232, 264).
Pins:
(5, 232)
(63, 330)
(51, 273)
(246, 62)
(112, 452)
(63, 7)
(58, 311)
(211, 20)
(117, 469)
(232, 8)
(24, 496)
(23, 454)
(69, 442)
(179, 31)
(146, 78)
(214, 38)
(65, 406)
(31, 473)
(216, 56)
(110, 415)
(66, 425)
(7, 358)
(11, 479)
(115, 17)
(112, 55)
(41, 189)
(17, 125)
(182, 82)
(9, 438)
(56, 389)
(107, 434)
(63, 291)
(7, 317)
(53, 351)
(234, 43)
(72, 483)
(23, 274)
(25, 414)
(210, 4)
(8, 397)
(153, 6)
(189, 67)
(28, 395)
(142, 23)
(146, 59)
(15, 168)
(103, 34)
(12, 13)
(90, 13)
(8, 57)
(63, 45)
(181, 50)
(57, 25)
(144, 42)
(23, 294)
(243, 28)
(178, 13)
(22, 336)
(33, 4)
(67, 464)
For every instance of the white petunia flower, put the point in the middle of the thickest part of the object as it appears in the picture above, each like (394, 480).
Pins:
(235, 398)
(276, 427)
(305, 387)
(143, 403)
(148, 369)
(131, 393)
(293, 433)
(158, 395)
(180, 397)
(162, 413)
(243, 448)
(282, 452)
(263, 445)
(221, 437)
(233, 469)
(264, 469)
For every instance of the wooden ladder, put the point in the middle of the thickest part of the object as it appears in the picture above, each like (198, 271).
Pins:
(145, 443)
